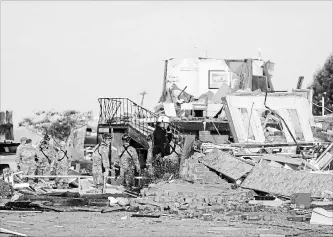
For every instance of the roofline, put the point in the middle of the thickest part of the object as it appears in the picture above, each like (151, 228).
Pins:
(224, 59)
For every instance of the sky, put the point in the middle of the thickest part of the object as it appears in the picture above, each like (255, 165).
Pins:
(58, 55)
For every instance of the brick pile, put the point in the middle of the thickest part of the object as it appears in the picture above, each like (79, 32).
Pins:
(226, 164)
(194, 200)
(197, 172)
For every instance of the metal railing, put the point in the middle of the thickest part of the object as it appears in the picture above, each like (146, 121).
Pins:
(124, 112)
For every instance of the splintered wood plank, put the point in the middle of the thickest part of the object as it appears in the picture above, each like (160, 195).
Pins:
(283, 159)
(226, 164)
(286, 182)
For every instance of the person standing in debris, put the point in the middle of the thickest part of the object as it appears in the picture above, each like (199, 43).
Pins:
(19, 152)
(100, 157)
(149, 160)
(61, 164)
(160, 139)
(129, 162)
(29, 157)
(46, 156)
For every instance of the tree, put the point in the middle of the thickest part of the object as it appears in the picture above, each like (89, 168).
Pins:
(58, 125)
(322, 86)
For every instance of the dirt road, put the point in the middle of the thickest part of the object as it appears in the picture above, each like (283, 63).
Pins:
(121, 224)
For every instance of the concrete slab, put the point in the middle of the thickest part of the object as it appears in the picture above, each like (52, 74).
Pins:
(286, 182)
(226, 164)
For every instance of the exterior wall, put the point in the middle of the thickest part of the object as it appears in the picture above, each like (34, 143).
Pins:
(205, 66)
(183, 73)
(194, 73)
(306, 93)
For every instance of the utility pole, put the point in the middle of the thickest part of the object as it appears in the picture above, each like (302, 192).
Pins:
(300, 82)
(322, 106)
(143, 96)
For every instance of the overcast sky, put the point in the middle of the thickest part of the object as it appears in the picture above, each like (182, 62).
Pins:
(64, 55)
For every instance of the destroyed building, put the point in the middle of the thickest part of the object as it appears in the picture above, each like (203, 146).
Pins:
(243, 152)
(218, 101)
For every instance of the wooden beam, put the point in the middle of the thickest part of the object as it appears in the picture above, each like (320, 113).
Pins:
(56, 176)
(258, 145)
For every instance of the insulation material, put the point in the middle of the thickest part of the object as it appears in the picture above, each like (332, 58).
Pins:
(286, 182)
(226, 164)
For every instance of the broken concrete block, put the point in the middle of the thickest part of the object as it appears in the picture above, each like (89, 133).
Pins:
(226, 164)
(287, 182)
(113, 201)
(301, 199)
(123, 201)
(321, 217)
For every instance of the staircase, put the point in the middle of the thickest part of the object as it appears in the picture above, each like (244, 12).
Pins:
(124, 113)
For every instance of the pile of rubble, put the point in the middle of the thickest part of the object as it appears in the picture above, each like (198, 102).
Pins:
(218, 185)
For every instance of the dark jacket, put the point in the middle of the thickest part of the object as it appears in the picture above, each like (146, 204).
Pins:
(160, 141)
(159, 136)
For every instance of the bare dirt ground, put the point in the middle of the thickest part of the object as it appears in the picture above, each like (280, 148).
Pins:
(122, 224)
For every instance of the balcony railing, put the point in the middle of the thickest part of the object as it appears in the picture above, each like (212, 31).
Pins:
(125, 112)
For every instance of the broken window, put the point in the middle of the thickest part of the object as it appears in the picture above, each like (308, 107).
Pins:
(272, 126)
(296, 124)
(247, 125)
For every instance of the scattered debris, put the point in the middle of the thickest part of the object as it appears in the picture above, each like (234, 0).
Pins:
(112, 209)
